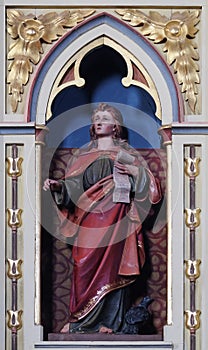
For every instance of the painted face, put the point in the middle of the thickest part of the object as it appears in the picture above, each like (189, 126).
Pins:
(103, 123)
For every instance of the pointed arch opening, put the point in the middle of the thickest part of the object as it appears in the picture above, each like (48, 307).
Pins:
(103, 61)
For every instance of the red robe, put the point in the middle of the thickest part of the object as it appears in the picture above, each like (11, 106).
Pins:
(108, 251)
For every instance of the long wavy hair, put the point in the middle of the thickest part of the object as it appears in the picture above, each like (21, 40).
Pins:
(119, 133)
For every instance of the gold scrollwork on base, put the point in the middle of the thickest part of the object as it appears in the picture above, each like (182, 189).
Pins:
(192, 167)
(192, 269)
(192, 320)
(177, 34)
(14, 217)
(192, 217)
(14, 319)
(14, 269)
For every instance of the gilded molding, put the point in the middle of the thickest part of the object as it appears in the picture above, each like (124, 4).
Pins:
(14, 269)
(192, 167)
(29, 33)
(192, 320)
(176, 34)
(14, 319)
(14, 166)
(192, 269)
(192, 217)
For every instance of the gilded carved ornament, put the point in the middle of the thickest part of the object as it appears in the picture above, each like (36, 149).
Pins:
(14, 268)
(192, 167)
(14, 166)
(192, 320)
(14, 319)
(14, 217)
(29, 33)
(192, 217)
(192, 269)
(176, 34)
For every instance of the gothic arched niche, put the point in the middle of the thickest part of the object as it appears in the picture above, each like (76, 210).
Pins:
(103, 74)
(103, 70)
(96, 68)
(154, 74)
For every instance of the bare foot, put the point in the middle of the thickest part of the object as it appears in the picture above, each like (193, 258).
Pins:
(65, 328)
(104, 329)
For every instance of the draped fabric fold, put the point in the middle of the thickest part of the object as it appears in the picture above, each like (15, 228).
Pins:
(108, 251)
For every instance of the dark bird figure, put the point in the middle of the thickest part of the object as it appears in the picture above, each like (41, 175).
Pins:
(138, 319)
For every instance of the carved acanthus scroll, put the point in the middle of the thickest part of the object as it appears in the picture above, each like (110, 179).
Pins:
(177, 34)
(29, 32)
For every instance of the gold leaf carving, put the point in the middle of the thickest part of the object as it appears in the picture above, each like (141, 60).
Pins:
(192, 167)
(14, 319)
(177, 34)
(192, 217)
(192, 320)
(14, 166)
(14, 217)
(29, 32)
(192, 269)
(14, 268)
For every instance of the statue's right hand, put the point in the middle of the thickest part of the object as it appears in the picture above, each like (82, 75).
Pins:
(48, 182)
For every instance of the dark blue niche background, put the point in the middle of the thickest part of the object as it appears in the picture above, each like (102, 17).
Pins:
(103, 69)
